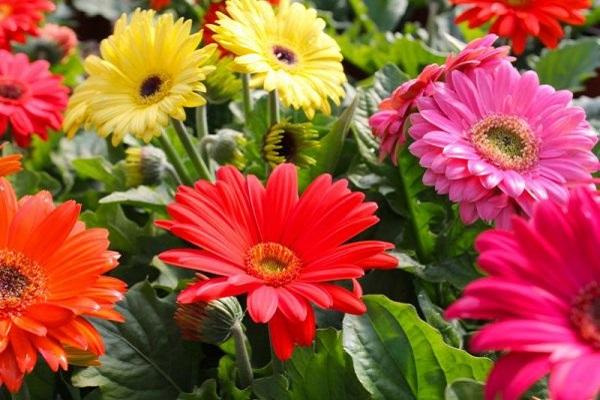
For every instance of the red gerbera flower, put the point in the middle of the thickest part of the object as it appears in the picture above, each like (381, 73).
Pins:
(51, 270)
(280, 249)
(31, 98)
(159, 4)
(518, 19)
(19, 18)
(211, 16)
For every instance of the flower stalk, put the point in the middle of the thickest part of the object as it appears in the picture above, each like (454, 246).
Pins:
(242, 357)
(246, 95)
(180, 173)
(274, 116)
(192, 151)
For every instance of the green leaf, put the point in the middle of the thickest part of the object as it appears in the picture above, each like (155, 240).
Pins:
(324, 372)
(141, 196)
(227, 373)
(396, 355)
(97, 168)
(568, 66)
(123, 233)
(145, 358)
(386, 13)
(464, 389)
(331, 146)
(271, 388)
(208, 391)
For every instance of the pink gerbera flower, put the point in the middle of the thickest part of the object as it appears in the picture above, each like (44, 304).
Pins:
(281, 249)
(543, 294)
(497, 142)
(388, 123)
(19, 18)
(31, 98)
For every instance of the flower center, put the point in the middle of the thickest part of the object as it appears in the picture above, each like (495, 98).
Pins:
(518, 3)
(11, 90)
(585, 313)
(284, 55)
(272, 262)
(506, 141)
(22, 283)
(153, 89)
(5, 10)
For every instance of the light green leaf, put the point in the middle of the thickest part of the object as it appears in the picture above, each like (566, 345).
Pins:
(396, 355)
(146, 358)
(568, 66)
(97, 168)
(123, 233)
(142, 196)
(324, 372)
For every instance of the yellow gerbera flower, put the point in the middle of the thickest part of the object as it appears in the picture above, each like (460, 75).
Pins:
(285, 50)
(149, 70)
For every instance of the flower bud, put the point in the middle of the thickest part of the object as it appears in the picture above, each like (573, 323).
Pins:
(144, 166)
(287, 142)
(226, 147)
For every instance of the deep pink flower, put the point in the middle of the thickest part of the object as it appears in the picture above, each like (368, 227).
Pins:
(32, 99)
(388, 123)
(496, 142)
(543, 295)
(281, 249)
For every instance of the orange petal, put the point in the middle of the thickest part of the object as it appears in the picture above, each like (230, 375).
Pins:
(52, 352)
(10, 374)
(50, 315)
(8, 208)
(32, 211)
(25, 353)
(30, 325)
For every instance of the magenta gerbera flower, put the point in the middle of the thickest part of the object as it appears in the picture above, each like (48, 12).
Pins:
(496, 142)
(32, 99)
(543, 293)
(388, 123)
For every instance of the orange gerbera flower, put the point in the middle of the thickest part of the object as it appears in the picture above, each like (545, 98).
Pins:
(51, 270)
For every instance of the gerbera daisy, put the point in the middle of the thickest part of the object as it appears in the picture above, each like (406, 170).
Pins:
(284, 50)
(280, 249)
(31, 98)
(149, 71)
(211, 16)
(388, 123)
(51, 270)
(497, 151)
(518, 19)
(543, 294)
(19, 18)
(63, 36)
(159, 4)
(293, 143)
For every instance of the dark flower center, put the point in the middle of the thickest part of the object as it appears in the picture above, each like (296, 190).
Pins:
(288, 148)
(151, 86)
(284, 55)
(22, 282)
(585, 314)
(505, 141)
(272, 262)
(11, 90)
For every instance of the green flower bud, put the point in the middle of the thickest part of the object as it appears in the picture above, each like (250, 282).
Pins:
(144, 166)
(226, 147)
(221, 84)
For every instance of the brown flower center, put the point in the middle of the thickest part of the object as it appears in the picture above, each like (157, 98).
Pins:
(153, 88)
(11, 90)
(273, 263)
(585, 314)
(505, 141)
(22, 283)
(284, 55)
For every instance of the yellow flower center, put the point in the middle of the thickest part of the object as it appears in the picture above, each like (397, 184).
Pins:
(273, 263)
(22, 283)
(585, 314)
(11, 91)
(284, 55)
(154, 88)
(505, 141)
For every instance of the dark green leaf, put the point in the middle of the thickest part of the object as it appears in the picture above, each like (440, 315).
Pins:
(464, 389)
(145, 356)
(271, 388)
(398, 356)
(208, 391)
(386, 13)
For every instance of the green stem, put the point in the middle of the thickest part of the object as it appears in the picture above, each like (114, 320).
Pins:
(421, 250)
(247, 95)
(273, 108)
(192, 151)
(201, 122)
(167, 146)
(241, 356)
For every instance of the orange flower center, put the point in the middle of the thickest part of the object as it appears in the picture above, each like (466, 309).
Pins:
(22, 283)
(505, 141)
(11, 91)
(273, 263)
(5, 10)
(585, 314)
